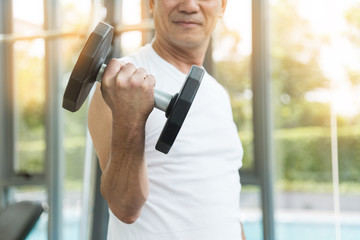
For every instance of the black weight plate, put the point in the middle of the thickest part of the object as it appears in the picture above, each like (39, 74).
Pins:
(180, 110)
(87, 66)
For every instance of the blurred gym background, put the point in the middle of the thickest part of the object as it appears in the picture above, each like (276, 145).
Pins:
(292, 69)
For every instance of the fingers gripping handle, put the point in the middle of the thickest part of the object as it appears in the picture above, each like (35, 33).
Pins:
(161, 99)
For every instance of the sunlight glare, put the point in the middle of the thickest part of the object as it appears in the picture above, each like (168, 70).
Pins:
(131, 11)
(337, 56)
(29, 11)
(237, 19)
(345, 102)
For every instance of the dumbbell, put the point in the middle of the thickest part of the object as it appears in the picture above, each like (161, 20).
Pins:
(90, 68)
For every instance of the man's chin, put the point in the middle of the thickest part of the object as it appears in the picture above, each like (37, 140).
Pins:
(189, 42)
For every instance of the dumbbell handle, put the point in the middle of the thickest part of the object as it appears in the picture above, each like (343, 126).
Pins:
(161, 98)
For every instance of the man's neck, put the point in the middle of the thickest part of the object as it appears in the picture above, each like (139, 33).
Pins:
(180, 56)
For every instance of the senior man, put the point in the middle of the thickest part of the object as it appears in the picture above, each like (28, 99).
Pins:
(193, 192)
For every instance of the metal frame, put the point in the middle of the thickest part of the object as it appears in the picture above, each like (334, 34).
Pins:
(147, 24)
(8, 176)
(262, 119)
(101, 210)
(54, 122)
(6, 108)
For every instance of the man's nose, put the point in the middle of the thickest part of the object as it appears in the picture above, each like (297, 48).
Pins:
(189, 6)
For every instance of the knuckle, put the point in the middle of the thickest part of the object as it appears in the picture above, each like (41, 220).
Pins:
(113, 61)
(114, 66)
(134, 81)
(149, 84)
(122, 63)
(152, 80)
(120, 82)
(142, 71)
(129, 65)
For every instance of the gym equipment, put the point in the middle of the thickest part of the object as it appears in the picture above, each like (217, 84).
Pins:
(90, 67)
(18, 219)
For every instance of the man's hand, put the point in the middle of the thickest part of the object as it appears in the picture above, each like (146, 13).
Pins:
(128, 91)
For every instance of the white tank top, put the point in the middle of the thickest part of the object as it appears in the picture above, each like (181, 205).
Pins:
(195, 188)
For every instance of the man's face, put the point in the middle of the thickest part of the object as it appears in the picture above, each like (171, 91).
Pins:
(186, 23)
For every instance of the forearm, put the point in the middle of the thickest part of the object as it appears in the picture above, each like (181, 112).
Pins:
(117, 118)
(124, 182)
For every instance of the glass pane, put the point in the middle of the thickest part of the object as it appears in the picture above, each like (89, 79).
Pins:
(76, 17)
(315, 57)
(251, 213)
(29, 89)
(232, 58)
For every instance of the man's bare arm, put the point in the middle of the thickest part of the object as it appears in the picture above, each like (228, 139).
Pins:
(116, 121)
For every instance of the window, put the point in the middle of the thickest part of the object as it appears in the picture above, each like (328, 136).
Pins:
(315, 78)
(28, 91)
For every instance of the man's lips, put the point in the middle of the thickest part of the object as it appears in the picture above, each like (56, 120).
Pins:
(186, 23)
